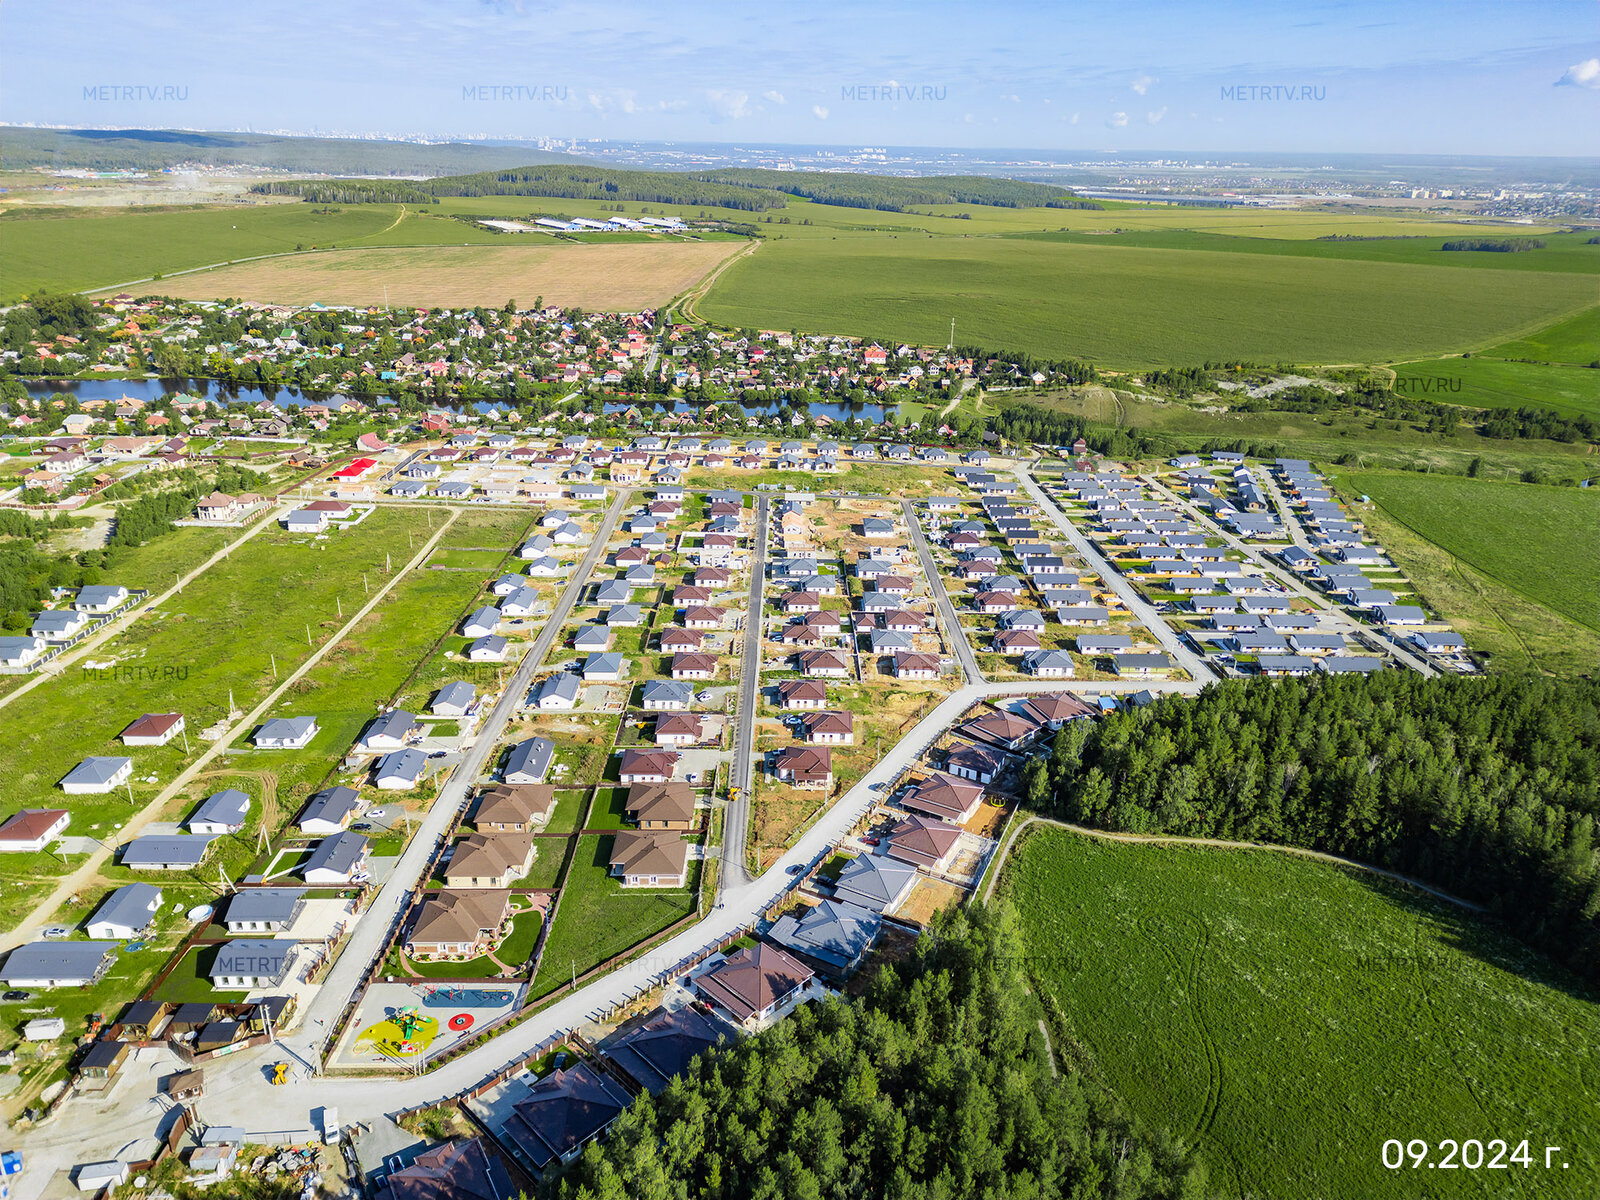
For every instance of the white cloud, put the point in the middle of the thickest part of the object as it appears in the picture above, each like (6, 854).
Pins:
(1016, 99)
(774, 97)
(819, 112)
(1154, 117)
(728, 102)
(1117, 120)
(1141, 83)
(1073, 118)
(1585, 74)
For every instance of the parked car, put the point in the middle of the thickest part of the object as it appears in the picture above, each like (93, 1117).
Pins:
(57, 931)
(15, 996)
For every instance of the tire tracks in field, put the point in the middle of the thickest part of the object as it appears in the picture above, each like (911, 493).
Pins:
(1189, 967)
(1425, 994)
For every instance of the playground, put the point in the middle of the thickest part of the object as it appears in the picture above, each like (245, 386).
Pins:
(400, 1025)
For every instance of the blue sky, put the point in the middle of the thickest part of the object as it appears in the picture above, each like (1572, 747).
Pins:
(1428, 78)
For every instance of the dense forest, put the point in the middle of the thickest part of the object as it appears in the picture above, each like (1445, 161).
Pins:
(746, 190)
(1495, 245)
(1488, 788)
(935, 1084)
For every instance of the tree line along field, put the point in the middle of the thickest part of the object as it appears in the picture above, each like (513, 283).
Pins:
(1286, 1016)
(1543, 542)
(1132, 306)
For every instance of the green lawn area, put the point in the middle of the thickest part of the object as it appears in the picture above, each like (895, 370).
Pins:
(1492, 383)
(473, 968)
(1288, 1016)
(599, 918)
(570, 804)
(1573, 340)
(519, 943)
(1133, 305)
(1536, 540)
(606, 812)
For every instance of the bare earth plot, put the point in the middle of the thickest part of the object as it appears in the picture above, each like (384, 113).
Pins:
(625, 276)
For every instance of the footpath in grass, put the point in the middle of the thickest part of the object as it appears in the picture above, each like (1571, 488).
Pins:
(1543, 542)
(1288, 1016)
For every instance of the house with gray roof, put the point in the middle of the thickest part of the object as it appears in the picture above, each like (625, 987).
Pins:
(834, 934)
(563, 1113)
(97, 774)
(484, 621)
(57, 964)
(490, 648)
(607, 666)
(592, 639)
(329, 811)
(1349, 664)
(668, 695)
(875, 882)
(337, 859)
(286, 733)
(126, 913)
(529, 760)
(454, 699)
(613, 591)
(399, 770)
(250, 963)
(220, 812)
(264, 910)
(558, 691)
(164, 852)
(59, 625)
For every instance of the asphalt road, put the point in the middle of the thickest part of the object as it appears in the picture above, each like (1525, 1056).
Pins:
(941, 597)
(736, 820)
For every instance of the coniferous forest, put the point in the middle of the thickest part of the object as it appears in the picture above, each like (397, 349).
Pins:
(1486, 787)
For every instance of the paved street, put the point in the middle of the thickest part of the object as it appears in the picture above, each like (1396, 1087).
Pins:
(736, 820)
(941, 597)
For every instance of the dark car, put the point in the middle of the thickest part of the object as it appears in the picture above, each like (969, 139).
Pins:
(14, 996)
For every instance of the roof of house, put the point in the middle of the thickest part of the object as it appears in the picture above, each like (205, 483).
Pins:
(30, 824)
(152, 725)
(338, 852)
(647, 852)
(924, 836)
(284, 729)
(273, 905)
(514, 804)
(751, 979)
(1057, 706)
(942, 795)
(487, 855)
(802, 689)
(165, 850)
(668, 690)
(230, 806)
(331, 804)
(97, 769)
(660, 802)
(55, 960)
(648, 762)
(530, 757)
(664, 1046)
(838, 723)
(805, 763)
(131, 906)
(460, 1170)
(877, 878)
(458, 914)
(835, 932)
(564, 1110)
(402, 764)
(459, 694)
(982, 760)
(252, 956)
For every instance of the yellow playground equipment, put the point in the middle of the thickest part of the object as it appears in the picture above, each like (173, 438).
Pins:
(280, 1074)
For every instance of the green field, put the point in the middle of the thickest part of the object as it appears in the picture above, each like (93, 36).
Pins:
(1133, 306)
(1288, 1017)
(1495, 383)
(1574, 340)
(1543, 542)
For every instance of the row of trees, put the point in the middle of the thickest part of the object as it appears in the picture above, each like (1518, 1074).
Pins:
(1486, 787)
(936, 1084)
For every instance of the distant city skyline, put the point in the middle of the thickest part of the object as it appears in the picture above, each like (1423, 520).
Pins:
(1364, 77)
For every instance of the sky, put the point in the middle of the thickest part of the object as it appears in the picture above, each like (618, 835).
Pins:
(1373, 76)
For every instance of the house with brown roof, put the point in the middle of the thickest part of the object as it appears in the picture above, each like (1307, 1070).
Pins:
(514, 808)
(218, 506)
(1055, 709)
(924, 842)
(799, 694)
(459, 1170)
(660, 805)
(679, 729)
(674, 639)
(1003, 729)
(800, 602)
(489, 860)
(455, 924)
(910, 664)
(944, 797)
(153, 729)
(753, 984)
(647, 766)
(33, 829)
(829, 728)
(824, 664)
(649, 858)
(804, 766)
(563, 1113)
(694, 666)
(702, 616)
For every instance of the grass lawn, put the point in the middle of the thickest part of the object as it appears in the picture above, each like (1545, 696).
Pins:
(1133, 305)
(599, 918)
(606, 812)
(1492, 383)
(1287, 1016)
(519, 943)
(1573, 340)
(1539, 541)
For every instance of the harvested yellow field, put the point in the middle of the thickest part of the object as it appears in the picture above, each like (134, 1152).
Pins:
(620, 277)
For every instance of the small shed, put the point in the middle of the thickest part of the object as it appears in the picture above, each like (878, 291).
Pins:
(104, 1059)
(93, 1176)
(44, 1029)
(186, 1085)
